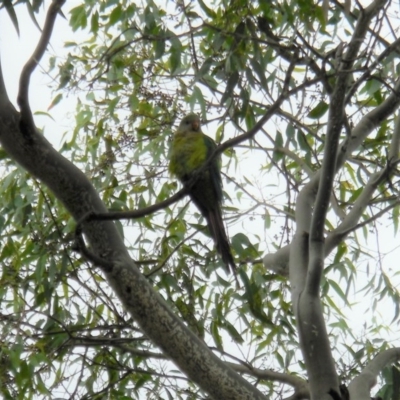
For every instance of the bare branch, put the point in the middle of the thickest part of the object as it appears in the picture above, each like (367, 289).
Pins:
(27, 121)
(269, 375)
(134, 214)
(335, 123)
(279, 261)
(307, 306)
(361, 385)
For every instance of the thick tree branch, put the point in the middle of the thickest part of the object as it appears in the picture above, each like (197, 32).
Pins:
(361, 385)
(307, 306)
(328, 169)
(298, 384)
(269, 375)
(279, 261)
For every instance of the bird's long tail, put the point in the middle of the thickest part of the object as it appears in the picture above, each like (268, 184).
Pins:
(217, 230)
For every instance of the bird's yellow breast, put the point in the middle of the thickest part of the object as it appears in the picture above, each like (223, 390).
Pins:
(188, 153)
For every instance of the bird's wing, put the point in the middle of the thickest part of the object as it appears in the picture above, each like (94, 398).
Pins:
(215, 166)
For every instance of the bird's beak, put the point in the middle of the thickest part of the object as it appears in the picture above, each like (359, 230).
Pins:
(195, 125)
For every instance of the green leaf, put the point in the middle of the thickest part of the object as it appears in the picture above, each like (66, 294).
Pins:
(78, 18)
(32, 10)
(302, 141)
(259, 71)
(232, 82)
(338, 290)
(355, 195)
(215, 335)
(235, 335)
(253, 296)
(45, 114)
(94, 22)
(11, 13)
(278, 144)
(55, 101)
(318, 111)
(267, 219)
(159, 48)
(209, 12)
(197, 98)
(176, 52)
(395, 218)
(243, 247)
(205, 68)
(115, 15)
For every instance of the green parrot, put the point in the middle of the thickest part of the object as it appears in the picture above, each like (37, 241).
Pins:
(190, 149)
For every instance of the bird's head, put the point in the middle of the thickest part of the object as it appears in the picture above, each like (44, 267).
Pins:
(190, 123)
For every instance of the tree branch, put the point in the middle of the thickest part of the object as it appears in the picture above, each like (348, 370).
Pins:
(27, 122)
(360, 386)
(266, 374)
(123, 343)
(307, 305)
(134, 214)
(279, 261)
(328, 169)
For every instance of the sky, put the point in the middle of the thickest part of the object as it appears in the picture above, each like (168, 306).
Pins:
(19, 49)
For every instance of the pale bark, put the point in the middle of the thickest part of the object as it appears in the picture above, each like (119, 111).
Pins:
(360, 386)
(308, 247)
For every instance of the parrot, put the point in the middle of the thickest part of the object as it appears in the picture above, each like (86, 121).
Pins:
(190, 150)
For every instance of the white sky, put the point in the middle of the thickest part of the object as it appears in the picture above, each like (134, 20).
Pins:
(14, 52)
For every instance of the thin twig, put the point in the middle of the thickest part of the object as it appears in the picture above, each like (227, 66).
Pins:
(132, 214)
